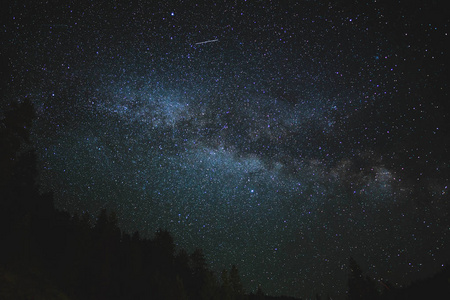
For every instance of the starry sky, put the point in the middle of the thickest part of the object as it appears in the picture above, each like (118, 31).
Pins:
(302, 133)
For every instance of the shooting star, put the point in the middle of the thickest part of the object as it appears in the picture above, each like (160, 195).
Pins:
(206, 42)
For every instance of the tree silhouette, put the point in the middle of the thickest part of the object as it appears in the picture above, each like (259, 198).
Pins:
(259, 293)
(226, 290)
(18, 187)
(165, 245)
(201, 284)
(235, 281)
(17, 164)
(359, 287)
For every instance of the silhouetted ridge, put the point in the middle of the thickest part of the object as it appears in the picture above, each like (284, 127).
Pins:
(48, 254)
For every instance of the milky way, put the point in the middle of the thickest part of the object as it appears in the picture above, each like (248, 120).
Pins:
(303, 135)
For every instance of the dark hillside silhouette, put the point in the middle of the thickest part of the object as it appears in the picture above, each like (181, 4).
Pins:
(363, 287)
(48, 254)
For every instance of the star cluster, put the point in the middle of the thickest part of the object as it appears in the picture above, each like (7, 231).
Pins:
(307, 133)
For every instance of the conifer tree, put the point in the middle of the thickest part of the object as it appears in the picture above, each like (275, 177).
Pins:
(235, 281)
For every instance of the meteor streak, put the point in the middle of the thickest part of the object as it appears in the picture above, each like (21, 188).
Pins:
(208, 41)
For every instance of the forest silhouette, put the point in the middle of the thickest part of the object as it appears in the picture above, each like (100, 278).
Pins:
(46, 253)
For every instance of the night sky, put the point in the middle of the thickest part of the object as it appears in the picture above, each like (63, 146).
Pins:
(302, 133)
